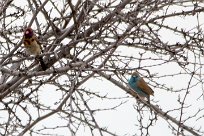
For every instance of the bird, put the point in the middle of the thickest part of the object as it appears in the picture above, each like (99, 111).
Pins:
(138, 84)
(33, 46)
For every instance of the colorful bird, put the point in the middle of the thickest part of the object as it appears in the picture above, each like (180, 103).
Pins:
(138, 84)
(32, 46)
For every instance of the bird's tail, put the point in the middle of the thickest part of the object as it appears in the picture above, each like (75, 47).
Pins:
(148, 99)
(42, 63)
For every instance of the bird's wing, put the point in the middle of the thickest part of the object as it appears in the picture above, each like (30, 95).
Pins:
(35, 38)
(38, 42)
(143, 85)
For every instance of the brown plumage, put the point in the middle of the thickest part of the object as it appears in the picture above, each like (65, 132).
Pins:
(32, 46)
(143, 85)
(138, 84)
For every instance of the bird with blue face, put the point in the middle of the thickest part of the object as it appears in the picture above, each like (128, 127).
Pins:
(138, 84)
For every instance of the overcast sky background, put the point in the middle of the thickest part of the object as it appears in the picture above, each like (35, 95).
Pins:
(123, 120)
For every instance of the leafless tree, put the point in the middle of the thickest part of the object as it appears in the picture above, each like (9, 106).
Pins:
(101, 40)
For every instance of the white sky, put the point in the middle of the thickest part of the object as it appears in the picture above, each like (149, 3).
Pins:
(123, 120)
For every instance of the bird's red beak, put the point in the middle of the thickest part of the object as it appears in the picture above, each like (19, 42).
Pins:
(27, 32)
